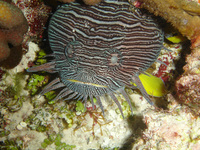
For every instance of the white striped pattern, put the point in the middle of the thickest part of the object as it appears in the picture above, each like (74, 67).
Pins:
(84, 39)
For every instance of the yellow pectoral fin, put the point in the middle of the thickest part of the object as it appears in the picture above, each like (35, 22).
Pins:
(154, 86)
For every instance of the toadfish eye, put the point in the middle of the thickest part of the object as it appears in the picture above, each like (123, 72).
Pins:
(114, 59)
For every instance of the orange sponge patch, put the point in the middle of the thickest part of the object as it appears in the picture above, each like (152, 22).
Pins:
(5, 12)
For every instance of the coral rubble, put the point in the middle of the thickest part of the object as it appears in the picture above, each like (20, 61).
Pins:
(175, 129)
(13, 26)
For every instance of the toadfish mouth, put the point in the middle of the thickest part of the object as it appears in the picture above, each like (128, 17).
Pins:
(87, 83)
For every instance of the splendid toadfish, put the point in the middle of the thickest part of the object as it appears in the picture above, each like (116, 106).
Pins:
(99, 50)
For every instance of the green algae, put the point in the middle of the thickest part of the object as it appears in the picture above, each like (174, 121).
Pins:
(41, 58)
(12, 144)
(125, 108)
(50, 97)
(40, 120)
(56, 139)
(4, 133)
(66, 115)
(42, 117)
(11, 100)
(12, 96)
(35, 82)
(80, 107)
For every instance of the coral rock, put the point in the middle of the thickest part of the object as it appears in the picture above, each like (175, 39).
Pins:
(66, 1)
(188, 89)
(4, 49)
(182, 14)
(87, 2)
(13, 26)
(188, 85)
(91, 2)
